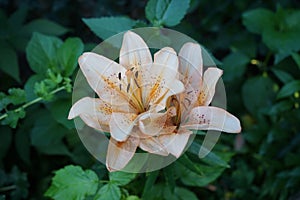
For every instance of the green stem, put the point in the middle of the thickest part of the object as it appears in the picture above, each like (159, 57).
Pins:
(32, 102)
(6, 188)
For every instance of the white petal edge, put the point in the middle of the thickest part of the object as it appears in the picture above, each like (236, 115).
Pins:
(215, 119)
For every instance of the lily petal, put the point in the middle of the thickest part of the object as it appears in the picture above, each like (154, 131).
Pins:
(212, 118)
(94, 112)
(151, 123)
(210, 79)
(134, 51)
(120, 153)
(175, 142)
(190, 64)
(121, 125)
(160, 81)
(152, 145)
(104, 75)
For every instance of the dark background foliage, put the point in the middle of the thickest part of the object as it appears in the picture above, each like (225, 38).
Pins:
(257, 43)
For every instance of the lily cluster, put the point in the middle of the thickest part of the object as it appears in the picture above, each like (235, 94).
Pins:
(150, 103)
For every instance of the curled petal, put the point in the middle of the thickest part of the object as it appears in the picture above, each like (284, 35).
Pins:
(134, 51)
(212, 118)
(121, 125)
(94, 112)
(120, 153)
(175, 142)
(152, 123)
(208, 86)
(153, 145)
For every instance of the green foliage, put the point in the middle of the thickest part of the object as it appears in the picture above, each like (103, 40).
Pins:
(105, 27)
(72, 182)
(166, 12)
(258, 45)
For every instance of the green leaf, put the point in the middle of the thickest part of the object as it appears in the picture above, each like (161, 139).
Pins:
(296, 58)
(44, 26)
(234, 66)
(22, 143)
(68, 55)
(18, 17)
(13, 118)
(5, 140)
(108, 192)
(281, 107)
(183, 193)
(121, 178)
(209, 174)
(283, 76)
(150, 180)
(72, 182)
(256, 20)
(60, 110)
(29, 86)
(47, 136)
(258, 94)
(9, 61)
(289, 89)
(16, 96)
(106, 27)
(41, 53)
(20, 181)
(184, 159)
(166, 12)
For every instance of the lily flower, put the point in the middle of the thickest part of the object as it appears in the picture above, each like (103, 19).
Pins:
(193, 110)
(126, 91)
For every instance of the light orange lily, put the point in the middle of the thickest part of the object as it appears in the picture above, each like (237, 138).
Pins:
(127, 91)
(192, 106)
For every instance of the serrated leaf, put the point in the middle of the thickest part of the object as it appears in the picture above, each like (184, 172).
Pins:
(121, 178)
(44, 26)
(256, 20)
(68, 55)
(106, 27)
(108, 192)
(41, 53)
(72, 182)
(13, 118)
(16, 96)
(166, 12)
(289, 89)
(9, 61)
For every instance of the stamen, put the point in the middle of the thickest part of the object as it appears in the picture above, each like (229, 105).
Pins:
(136, 83)
(128, 86)
(120, 86)
(189, 92)
(119, 75)
(136, 74)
